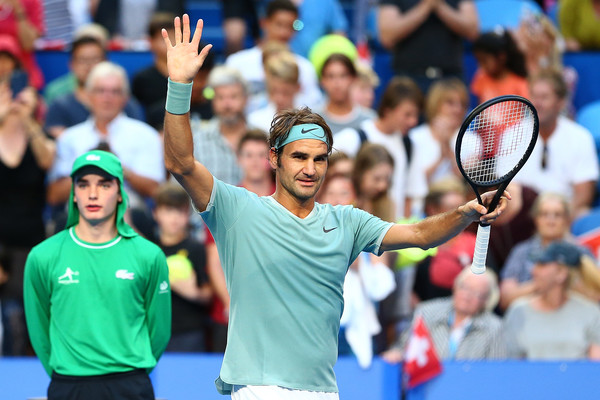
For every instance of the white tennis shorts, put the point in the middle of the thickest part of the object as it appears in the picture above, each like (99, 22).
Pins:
(278, 393)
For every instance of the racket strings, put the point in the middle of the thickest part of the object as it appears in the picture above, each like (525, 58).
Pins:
(496, 140)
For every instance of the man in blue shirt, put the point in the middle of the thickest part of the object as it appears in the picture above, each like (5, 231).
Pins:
(284, 256)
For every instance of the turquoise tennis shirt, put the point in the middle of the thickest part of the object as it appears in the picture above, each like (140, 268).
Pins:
(285, 277)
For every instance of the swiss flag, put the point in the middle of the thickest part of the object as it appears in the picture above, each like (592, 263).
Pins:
(421, 362)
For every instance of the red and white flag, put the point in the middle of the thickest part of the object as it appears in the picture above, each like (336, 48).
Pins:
(421, 362)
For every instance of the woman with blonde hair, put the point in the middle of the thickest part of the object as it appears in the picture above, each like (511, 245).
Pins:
(556, 322)
(445, 108)
(551, 213)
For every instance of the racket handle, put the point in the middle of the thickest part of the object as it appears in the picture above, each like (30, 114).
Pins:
(481, 247)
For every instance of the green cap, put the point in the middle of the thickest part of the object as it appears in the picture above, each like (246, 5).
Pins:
(111, 165)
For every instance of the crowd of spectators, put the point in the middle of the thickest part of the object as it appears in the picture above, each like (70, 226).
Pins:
(393, 157)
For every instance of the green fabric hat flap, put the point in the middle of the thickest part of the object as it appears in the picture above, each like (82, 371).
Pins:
(110, 164)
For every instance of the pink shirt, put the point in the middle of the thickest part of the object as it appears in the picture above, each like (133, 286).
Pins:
(34, 13)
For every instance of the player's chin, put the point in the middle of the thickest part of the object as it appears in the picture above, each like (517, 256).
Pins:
(305, 192)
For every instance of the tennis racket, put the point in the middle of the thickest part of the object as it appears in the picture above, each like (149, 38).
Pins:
(493, 143)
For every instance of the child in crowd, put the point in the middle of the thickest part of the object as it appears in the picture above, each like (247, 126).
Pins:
(282, 79)
(338, 75)
(363, 89)
(501, 67)
(190, 290)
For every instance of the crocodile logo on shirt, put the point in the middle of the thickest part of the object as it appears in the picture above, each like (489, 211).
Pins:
(124, 274)
(67, 277)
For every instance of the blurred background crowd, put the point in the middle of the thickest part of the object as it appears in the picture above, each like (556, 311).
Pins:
(394, 79)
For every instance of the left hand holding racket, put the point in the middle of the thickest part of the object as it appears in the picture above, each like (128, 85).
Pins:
(480, 213)
(492, 145)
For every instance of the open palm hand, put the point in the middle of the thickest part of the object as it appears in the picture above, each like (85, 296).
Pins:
(183, 59)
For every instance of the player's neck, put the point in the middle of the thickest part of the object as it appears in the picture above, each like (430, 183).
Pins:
(299, 208)
(365, 204)
(262, 187)
(96, 233)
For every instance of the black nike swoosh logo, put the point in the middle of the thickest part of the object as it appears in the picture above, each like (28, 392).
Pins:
(328, 230)
(303, 131)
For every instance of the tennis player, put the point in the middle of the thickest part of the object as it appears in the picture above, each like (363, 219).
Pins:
(284, 256)
(97, 297)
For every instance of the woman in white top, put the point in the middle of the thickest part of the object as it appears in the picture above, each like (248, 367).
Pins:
(445, 109)
(555, 323)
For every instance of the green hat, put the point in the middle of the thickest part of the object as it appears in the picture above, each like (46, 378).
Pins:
(328, 45)
(98, 161)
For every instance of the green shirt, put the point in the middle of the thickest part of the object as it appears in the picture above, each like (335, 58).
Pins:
(61, 86)
(95, 309)
(285, 277)
(578, 20)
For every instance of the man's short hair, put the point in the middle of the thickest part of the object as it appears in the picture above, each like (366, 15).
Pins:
(85, 40)
(224, 75)
(104, 69)
(399, 89)
(286, 119)
(556, 80)
(280, 5)
(171, 194)
(253, 135)
(159, 21)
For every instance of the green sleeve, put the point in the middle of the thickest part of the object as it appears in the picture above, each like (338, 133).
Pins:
(567, 18)
(158, 305)
(37, 309)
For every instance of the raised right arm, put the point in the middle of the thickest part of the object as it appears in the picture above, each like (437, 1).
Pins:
(183, 63)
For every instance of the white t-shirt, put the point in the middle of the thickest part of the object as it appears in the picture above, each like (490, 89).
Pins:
(406, 182)
(249, 63)
(427, 151)
(571, 159)
(262, 117)
(136, 143)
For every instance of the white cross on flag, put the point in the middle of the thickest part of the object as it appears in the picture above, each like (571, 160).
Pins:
(421, 362)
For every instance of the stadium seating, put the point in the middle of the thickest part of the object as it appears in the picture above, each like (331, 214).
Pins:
(504, 13)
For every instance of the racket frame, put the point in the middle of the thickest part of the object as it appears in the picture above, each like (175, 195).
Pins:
(503, 181)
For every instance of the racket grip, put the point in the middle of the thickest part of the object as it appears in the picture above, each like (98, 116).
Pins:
(481, 247)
